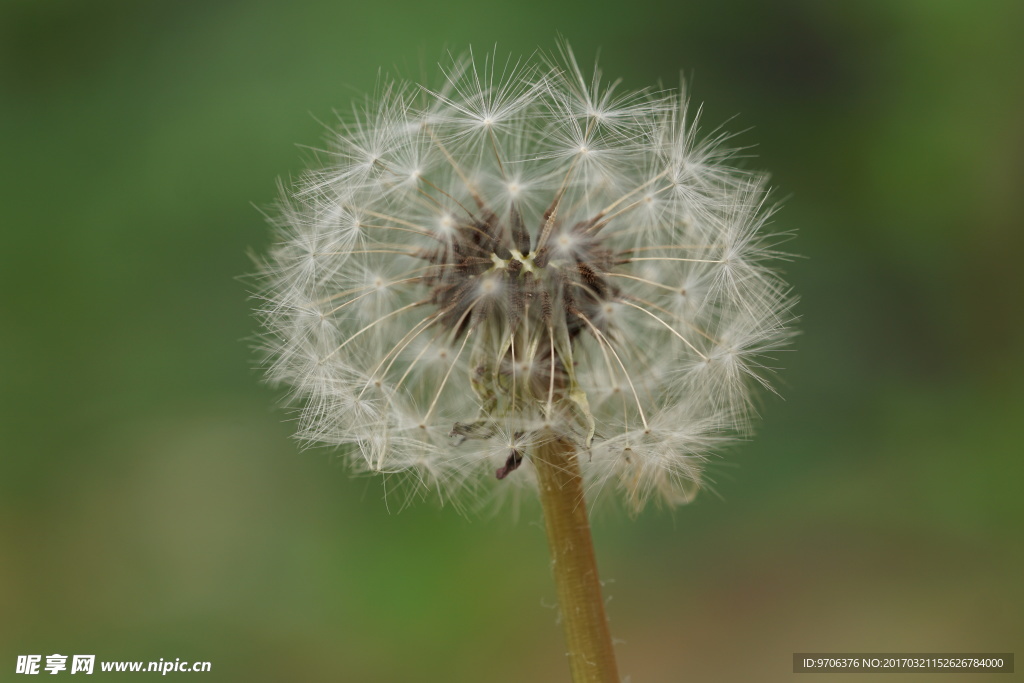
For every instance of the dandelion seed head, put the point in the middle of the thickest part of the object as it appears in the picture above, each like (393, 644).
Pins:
(521, 252)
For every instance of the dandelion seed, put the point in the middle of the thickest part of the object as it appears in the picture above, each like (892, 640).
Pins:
(485, 250)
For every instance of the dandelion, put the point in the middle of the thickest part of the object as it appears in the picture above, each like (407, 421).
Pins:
(525, 274)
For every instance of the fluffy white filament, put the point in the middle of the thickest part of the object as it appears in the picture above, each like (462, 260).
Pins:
(625, 209)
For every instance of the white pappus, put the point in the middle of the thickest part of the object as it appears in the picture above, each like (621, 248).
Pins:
(524, 253)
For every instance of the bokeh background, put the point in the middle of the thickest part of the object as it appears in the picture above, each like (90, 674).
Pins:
(153, 504)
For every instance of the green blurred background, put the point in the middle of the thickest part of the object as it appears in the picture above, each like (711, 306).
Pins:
(153, 504)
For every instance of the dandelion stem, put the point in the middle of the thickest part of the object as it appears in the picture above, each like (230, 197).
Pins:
(588, 640)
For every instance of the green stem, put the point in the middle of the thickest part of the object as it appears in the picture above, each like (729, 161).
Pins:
(591, 657)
